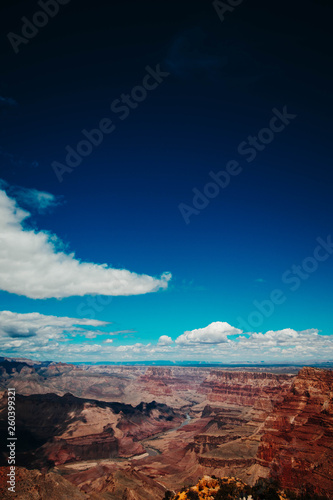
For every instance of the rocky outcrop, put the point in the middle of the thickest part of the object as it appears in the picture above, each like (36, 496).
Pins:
(97, 483)
(215, 440)
(54, 429)
(259, 390)
(122, 482)
(102, 445)
(217, 463)
(33, 484)
(96, 480)
(297, 445)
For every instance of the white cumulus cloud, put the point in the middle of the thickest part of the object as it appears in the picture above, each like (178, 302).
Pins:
(165, 340)
(287, 336)
(32, 263)
(215, 333)
(24, 326)
(38, 336)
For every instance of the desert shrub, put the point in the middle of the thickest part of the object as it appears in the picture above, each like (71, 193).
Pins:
(265, 489)
(230, 491)
(192, 495)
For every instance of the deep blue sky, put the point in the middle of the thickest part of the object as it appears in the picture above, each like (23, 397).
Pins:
(120, 205)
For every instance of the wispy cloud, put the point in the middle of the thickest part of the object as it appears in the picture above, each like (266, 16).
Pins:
(16, 160)
(32, 265)
(32, 199)
(7, 103)
(200, 52)
(46, 328)
(122, 332)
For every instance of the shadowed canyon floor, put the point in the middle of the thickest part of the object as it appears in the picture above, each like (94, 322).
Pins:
(136, 432)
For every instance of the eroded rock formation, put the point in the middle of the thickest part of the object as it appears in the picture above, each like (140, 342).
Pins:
(297, 445)
(258, 390)
(248, 424)
(54, 429)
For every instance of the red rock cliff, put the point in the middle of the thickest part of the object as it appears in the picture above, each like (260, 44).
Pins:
(298, 442)
(259, 390)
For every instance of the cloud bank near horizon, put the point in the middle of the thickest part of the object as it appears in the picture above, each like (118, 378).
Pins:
(33, 263)
(66, 339)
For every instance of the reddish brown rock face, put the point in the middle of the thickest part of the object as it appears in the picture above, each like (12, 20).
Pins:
(174, 386)
(298, 442)
(247, 424)
(110, 481)
(32, 484)
(56, 430)
(259, 390)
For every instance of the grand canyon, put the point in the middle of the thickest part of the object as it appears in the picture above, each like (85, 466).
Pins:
(166, 250)
(146, 432)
